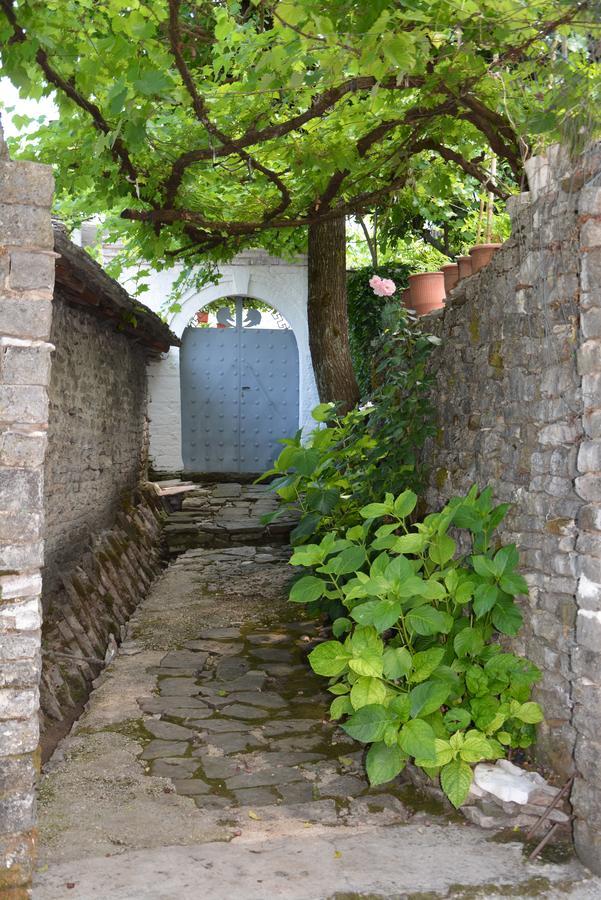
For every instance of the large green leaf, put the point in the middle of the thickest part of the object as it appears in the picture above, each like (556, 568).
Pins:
(368, 723)
(404, 504)
(306, 527)
(307, 589)
(427, 620)
(457, 718)
(456, 780)
(484, 566)
(417, 739)
(369, 663)
(382, 614)
(340, 706)
(397, 662)
(365, 638)
(367, 691)
(442, 549)
(428, 697)
(341, 625)
(513, 584)
(410, 543)
(529, 712)
(475, 747)
(350, 560)
(375, 510)
(330, 658)
(425, 662)
(468, 642)
(485, 597)
(384, 763)
(507, 617)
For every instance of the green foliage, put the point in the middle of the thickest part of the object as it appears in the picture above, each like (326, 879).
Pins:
(365, 315)
(339, 469)
(201, 128)
(417, 669)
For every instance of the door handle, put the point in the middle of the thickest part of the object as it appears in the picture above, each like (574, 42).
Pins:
(246, 387)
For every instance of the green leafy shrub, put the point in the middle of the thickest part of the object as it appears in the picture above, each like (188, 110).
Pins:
(374, 447)
(416, 668)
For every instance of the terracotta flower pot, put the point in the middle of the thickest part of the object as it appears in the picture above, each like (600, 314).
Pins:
(427, 292)
(451, 276)
(464, 264)
(482, 254)
(406, 298)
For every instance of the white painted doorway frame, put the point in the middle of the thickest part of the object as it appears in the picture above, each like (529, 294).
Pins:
(256, 274)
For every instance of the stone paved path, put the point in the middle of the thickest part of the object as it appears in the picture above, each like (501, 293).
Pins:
(204, 766)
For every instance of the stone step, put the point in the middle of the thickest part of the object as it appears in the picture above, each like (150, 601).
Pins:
(227, 515)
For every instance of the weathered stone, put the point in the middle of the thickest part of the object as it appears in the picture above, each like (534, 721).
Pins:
(258, 796)
(263, 777)
(231, 742)
(164, 749)
(218, 725)
(232, 668)
(184, 659)
(21, 225)
(18, 736)
(248, 713)
(220, 768)
(178, 687)
(26, 183)
(26, 366)
(262, 699)
(28, 319)
(174, 768)
(191, 787)
(167, 731)
(220, 648)
(31, 271)
(343, 786)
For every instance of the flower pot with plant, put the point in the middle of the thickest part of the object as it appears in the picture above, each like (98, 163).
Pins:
(427, 292)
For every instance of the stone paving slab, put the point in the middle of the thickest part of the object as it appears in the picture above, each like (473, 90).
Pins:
(410, 862)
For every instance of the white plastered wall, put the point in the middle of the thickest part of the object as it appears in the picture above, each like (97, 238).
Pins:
(281, 284)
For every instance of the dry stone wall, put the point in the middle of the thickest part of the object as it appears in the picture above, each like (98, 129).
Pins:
(87, 618)
(518, 397)
(96, 437)
(26, 282)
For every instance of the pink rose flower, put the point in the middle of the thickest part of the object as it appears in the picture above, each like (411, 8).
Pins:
(382, 287)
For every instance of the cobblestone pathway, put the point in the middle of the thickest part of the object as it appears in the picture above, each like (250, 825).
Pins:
(204, 766)
(242, 724)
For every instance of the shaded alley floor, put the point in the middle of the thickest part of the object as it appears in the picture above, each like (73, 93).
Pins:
(204, 766)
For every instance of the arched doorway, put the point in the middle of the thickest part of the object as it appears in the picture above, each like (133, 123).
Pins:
(239, 372)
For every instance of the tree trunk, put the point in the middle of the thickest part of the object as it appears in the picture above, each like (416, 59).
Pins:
(327, 312)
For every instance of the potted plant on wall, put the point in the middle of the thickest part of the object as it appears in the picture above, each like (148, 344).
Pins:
(427, 292)
(482, 253)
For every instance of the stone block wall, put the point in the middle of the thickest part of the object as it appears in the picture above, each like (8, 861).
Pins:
(96, 436)
(26, 282)
(518, 398)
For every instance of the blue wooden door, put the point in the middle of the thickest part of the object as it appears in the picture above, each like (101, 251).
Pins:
(239, 387)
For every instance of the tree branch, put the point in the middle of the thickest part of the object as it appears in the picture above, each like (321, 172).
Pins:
(202, 115)
(119, 151)
(321, 104)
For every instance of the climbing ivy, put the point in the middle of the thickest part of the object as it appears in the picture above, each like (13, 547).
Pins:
(416, 668)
